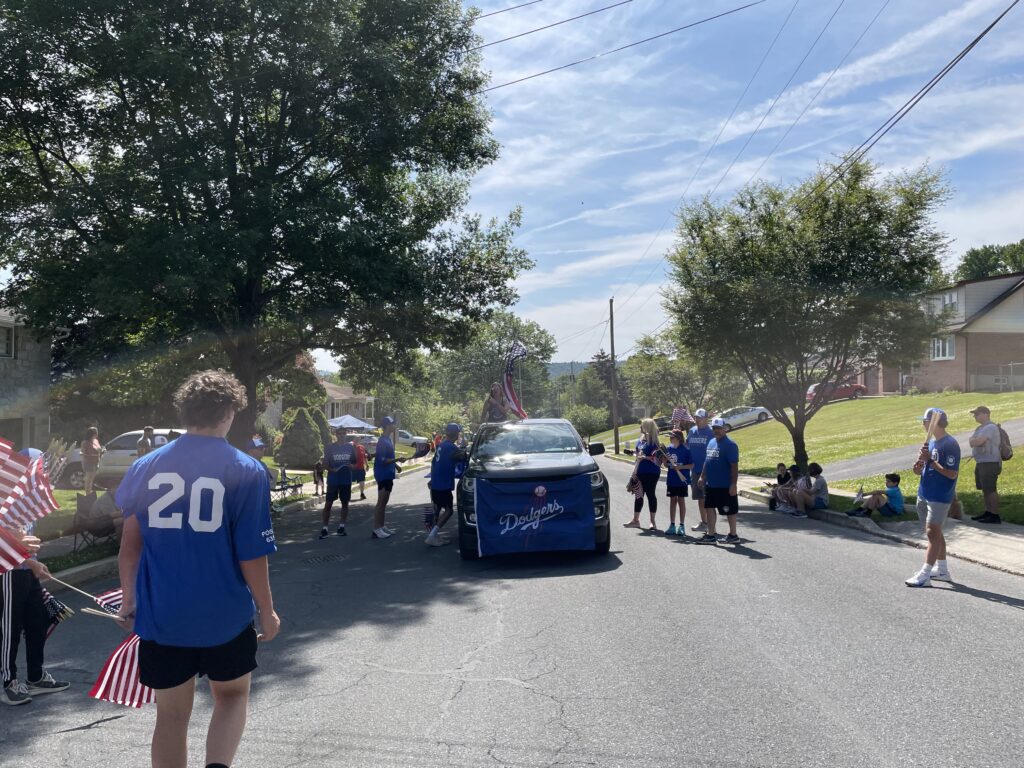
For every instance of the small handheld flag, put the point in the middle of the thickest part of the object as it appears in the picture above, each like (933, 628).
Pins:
(119, 681)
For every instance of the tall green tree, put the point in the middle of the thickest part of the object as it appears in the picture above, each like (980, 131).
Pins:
(608, 374)
(991, 260)
(799, 285)
(258, 176)
(588, 420)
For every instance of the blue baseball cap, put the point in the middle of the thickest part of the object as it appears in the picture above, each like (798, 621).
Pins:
(943, 419)
(387, 421)
(452, 428)
(31, 453)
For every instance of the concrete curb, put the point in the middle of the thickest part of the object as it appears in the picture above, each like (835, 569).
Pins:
(867, 525)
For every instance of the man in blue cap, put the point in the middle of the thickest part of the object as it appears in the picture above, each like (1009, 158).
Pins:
(385, 469)
(938, 466)
(442, 482)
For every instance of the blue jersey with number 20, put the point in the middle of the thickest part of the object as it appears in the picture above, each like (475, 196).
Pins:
(203, 507)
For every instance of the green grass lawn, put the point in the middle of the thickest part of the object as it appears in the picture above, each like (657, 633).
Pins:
(626, 432)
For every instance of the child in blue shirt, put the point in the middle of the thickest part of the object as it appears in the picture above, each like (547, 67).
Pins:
(888, 502)
(679, 465)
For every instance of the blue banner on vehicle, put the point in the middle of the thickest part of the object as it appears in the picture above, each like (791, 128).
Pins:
(534, 515)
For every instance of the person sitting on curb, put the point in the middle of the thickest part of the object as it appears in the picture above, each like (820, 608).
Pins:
(783, 494)
(888, 502)
(814, 497)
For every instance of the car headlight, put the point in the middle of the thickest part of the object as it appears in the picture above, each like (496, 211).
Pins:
(600, 510)
(469, 484)
(596, 479)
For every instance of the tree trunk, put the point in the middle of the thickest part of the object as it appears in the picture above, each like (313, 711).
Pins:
(244, 426)
(799, 445)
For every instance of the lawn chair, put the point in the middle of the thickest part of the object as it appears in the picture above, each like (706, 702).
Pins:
(90, 529)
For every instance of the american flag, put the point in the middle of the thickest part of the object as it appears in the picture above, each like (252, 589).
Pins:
(681, 415)
(56, 610)
(32, 498)
(13, 467)
(12, 551)
(119, 681)
(516, 352)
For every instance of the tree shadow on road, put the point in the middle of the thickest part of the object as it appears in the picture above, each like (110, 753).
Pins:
(984, 594)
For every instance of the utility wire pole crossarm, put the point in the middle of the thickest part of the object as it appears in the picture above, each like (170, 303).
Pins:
(615, 376)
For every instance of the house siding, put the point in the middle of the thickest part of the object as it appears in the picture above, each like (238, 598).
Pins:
(24, 391)
(937, 375)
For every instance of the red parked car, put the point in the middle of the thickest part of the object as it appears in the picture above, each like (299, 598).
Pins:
(846, 391)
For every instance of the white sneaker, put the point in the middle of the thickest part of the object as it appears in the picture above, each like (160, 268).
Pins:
(921, 578)
(381, 533)
(938, 574)
(435, 541)
(15, 693)
(699, 527)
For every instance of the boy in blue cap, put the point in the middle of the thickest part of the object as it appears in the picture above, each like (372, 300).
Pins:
(385, 469)
(938, 465)
(442, 482)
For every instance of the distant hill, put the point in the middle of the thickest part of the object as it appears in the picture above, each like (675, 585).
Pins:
(559, 369)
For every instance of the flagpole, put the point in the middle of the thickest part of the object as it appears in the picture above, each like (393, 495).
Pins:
(76, 589)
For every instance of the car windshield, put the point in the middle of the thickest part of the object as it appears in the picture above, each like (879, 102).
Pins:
(526, 438)
(733, 412)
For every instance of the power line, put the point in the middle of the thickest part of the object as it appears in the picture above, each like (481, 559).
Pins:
(506, 10)
(549, 26)
(579, 333)
(775, 101)
(824, 85)
(707, 154)
(624, 47)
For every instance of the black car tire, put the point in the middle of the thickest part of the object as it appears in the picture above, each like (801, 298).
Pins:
(467, 543)
(604, 545)
(762, 417)
(74, 478)
(728, 427)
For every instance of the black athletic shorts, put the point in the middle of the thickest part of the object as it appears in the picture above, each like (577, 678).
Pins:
(442, 499)
(342, 493)
(385, 486)
(676, 491)
(719, 498)
(168, 666)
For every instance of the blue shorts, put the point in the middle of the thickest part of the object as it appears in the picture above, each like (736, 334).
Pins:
(889, 511)
(820, 503)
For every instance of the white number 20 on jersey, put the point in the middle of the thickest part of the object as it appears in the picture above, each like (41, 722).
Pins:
(214, 490)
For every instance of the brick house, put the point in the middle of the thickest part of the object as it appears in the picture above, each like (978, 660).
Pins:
(343, 401)
(24, 385)
(981, 348)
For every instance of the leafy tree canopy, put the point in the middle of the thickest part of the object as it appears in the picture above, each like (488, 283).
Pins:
(256, 176)
(588, 420)
(991, 260)
(795, 286)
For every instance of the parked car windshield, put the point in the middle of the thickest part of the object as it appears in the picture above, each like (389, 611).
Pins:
(734, 412)
(526, 438)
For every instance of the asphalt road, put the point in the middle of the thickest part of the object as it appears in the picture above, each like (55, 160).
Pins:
(896, 459)
(801, 647)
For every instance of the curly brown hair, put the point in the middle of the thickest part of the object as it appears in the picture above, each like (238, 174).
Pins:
(205, 398)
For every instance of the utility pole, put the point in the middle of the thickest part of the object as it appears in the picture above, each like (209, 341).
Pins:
(572, 384)
(615, 376)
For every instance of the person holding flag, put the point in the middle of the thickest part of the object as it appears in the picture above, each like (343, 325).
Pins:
(194, 571)
(385, 470)
(697, 441)
(442, 483)
(938, 465)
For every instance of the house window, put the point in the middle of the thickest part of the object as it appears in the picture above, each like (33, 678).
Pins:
(949, 302)
(943, 348)
(7, 348)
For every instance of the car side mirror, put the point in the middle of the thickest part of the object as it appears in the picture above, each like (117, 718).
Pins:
(596, 449)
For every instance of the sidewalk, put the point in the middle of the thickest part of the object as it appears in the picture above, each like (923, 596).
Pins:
(1000, 547)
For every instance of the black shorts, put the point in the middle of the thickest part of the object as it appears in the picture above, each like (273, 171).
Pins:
(720, 499)
(986, 475)
(678, 491)
(385, 486)
(342, 493)
(442, 499)
(358, 475)
(168, 666)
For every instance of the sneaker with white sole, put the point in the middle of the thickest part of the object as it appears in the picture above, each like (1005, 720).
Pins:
(435, 540)
(15, 693)
(324, 533)
(940, 574)
(381, 533)
(700, 527)
(921, 578)
(46, 684)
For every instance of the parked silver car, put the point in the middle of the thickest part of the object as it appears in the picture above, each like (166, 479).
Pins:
(118, 454)
(744, 415)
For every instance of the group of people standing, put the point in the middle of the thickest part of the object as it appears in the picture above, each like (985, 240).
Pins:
(702, 464)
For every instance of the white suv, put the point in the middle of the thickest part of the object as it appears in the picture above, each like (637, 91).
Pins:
(120, 453)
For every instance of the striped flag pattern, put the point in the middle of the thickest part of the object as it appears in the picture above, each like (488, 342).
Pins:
(119, 681)
(31, 500)
(12, 552)
(516, 352)
(13, 467)
(56, 610)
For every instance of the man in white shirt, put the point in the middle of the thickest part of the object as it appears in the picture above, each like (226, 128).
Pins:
(988, 463)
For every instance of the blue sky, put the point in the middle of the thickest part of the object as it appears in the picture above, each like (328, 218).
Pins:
(599, 155)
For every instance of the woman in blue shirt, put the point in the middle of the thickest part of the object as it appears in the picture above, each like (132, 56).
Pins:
(646, 472)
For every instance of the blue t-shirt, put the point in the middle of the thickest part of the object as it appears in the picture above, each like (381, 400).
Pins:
(721, 454)
(681, 455)
(339, 458)
(385, 452)
(894, 498)
(203, 507)
(643, 448)
(697, 442)
(934, 487)
(443, 466)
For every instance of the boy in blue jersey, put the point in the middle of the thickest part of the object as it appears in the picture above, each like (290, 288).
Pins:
(718, 480)
(697, 442)
(938, 466)
(447, 456)
(339, 458)
(194, 569)
(678, 481)
(385, 469)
